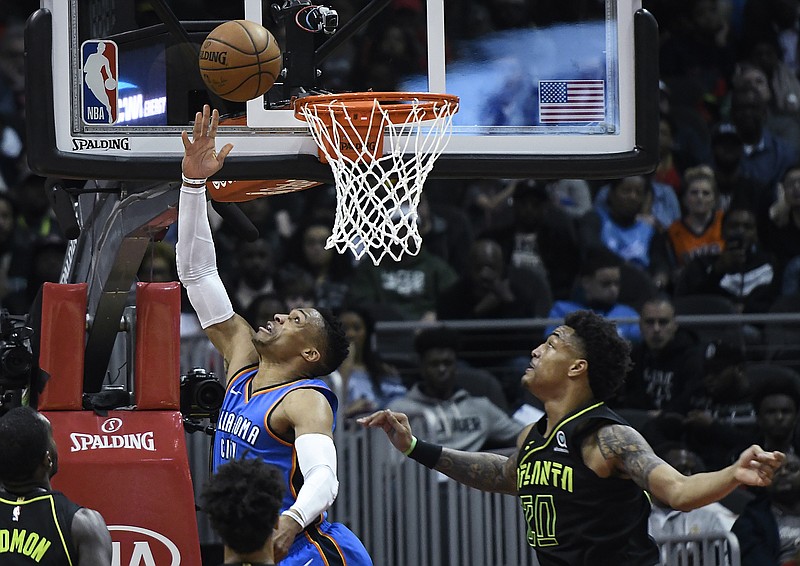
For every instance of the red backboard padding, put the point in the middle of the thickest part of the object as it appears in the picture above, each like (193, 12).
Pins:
(62, 343)
(157, 375)
(132, 467)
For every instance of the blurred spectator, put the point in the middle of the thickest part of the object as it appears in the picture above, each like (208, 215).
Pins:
(783, 83)
(14, 258)
(699, 231)
(263, 308)
(766, 156)
(449, 415)
(541, 238)
(598, 290)
(489, 204)
(295, 287)
(782, 230)
(329, 269)
(619, 226)
(742, 272)
(254, 267)
(446, 232)
(773, 22)
(750, 75)
(696, 59)
(727, 148)
(47, 260)
(158, 264)
(668, 522)
(12, 74)
(402, 290)
(776, 399)
(490, 289)
(719, 418)
(667, 362)
(667, 172)
(660, 206)
(364, 382)
(35, 219)
(573, 196)
(769, 527)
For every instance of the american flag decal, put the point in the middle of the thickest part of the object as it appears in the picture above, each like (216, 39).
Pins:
(571, 101)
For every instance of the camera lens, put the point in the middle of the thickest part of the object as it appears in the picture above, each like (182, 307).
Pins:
(209, 395)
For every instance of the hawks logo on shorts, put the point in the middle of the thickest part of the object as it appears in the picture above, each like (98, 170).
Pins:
(100, 82)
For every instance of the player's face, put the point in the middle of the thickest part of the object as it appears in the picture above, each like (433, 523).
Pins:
(551, 361)
(289, 333)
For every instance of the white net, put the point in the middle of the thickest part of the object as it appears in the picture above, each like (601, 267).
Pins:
(378, 195)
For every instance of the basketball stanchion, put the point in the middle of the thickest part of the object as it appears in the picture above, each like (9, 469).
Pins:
(377, 195)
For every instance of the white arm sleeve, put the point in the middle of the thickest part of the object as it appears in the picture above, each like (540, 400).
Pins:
(316, 455)
(197, 261)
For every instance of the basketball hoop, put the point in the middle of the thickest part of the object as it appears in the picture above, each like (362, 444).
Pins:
(377, 194)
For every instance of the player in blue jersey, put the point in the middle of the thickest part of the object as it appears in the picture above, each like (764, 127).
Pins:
(275, 408)
(581, 472)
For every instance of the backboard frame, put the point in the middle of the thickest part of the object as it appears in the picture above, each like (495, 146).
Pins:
(50, 153)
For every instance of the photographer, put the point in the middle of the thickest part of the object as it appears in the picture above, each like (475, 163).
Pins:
(742, 272)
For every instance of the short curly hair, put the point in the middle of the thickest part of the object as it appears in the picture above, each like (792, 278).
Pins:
(242, 500)
(608, 354)
(24, 441)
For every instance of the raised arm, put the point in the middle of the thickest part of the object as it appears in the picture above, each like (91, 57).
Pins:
(196, 256)
(625, 452)
(481, 470)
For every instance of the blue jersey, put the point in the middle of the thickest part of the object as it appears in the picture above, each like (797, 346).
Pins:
(243, 431)
(243, 426)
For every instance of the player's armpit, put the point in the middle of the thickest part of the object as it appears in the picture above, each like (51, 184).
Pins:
(233, 338)
(624, 452)
(482, 470)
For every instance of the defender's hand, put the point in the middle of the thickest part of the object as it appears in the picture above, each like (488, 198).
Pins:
(200, 157)
(756, 467)
(395, 425)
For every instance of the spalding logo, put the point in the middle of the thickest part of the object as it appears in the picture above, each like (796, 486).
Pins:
(137, 546)
(220, 57)
(111, 425)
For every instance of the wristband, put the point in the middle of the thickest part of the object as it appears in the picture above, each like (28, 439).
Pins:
(425, 453)
(411, 446)
(294, 514)
(193, 182)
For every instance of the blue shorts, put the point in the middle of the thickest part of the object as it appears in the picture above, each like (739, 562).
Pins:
(333, 541)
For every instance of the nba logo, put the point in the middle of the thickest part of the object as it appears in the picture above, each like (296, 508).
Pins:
(100, 81)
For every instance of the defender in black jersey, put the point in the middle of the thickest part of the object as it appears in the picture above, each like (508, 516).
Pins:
(581, 472)
(39, 525)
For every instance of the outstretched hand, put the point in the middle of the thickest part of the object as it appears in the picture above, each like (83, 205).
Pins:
(200, 156)
(756, 467)
(395, 425)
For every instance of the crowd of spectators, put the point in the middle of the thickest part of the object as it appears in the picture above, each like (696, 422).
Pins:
(720, 215)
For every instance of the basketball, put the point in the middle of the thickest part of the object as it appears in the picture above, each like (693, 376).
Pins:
(110, 83)
(240, 60)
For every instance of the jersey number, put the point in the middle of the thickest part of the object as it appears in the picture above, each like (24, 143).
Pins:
(540, 515)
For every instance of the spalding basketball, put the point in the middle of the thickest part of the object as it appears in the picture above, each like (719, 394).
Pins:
(240, 60)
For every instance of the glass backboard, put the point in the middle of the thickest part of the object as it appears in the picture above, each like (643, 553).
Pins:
(566, 94)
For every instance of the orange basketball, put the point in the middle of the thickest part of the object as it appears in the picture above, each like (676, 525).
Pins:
(240, 60)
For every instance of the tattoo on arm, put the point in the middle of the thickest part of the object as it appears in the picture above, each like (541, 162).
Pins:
(630, 449)
(481, 470)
